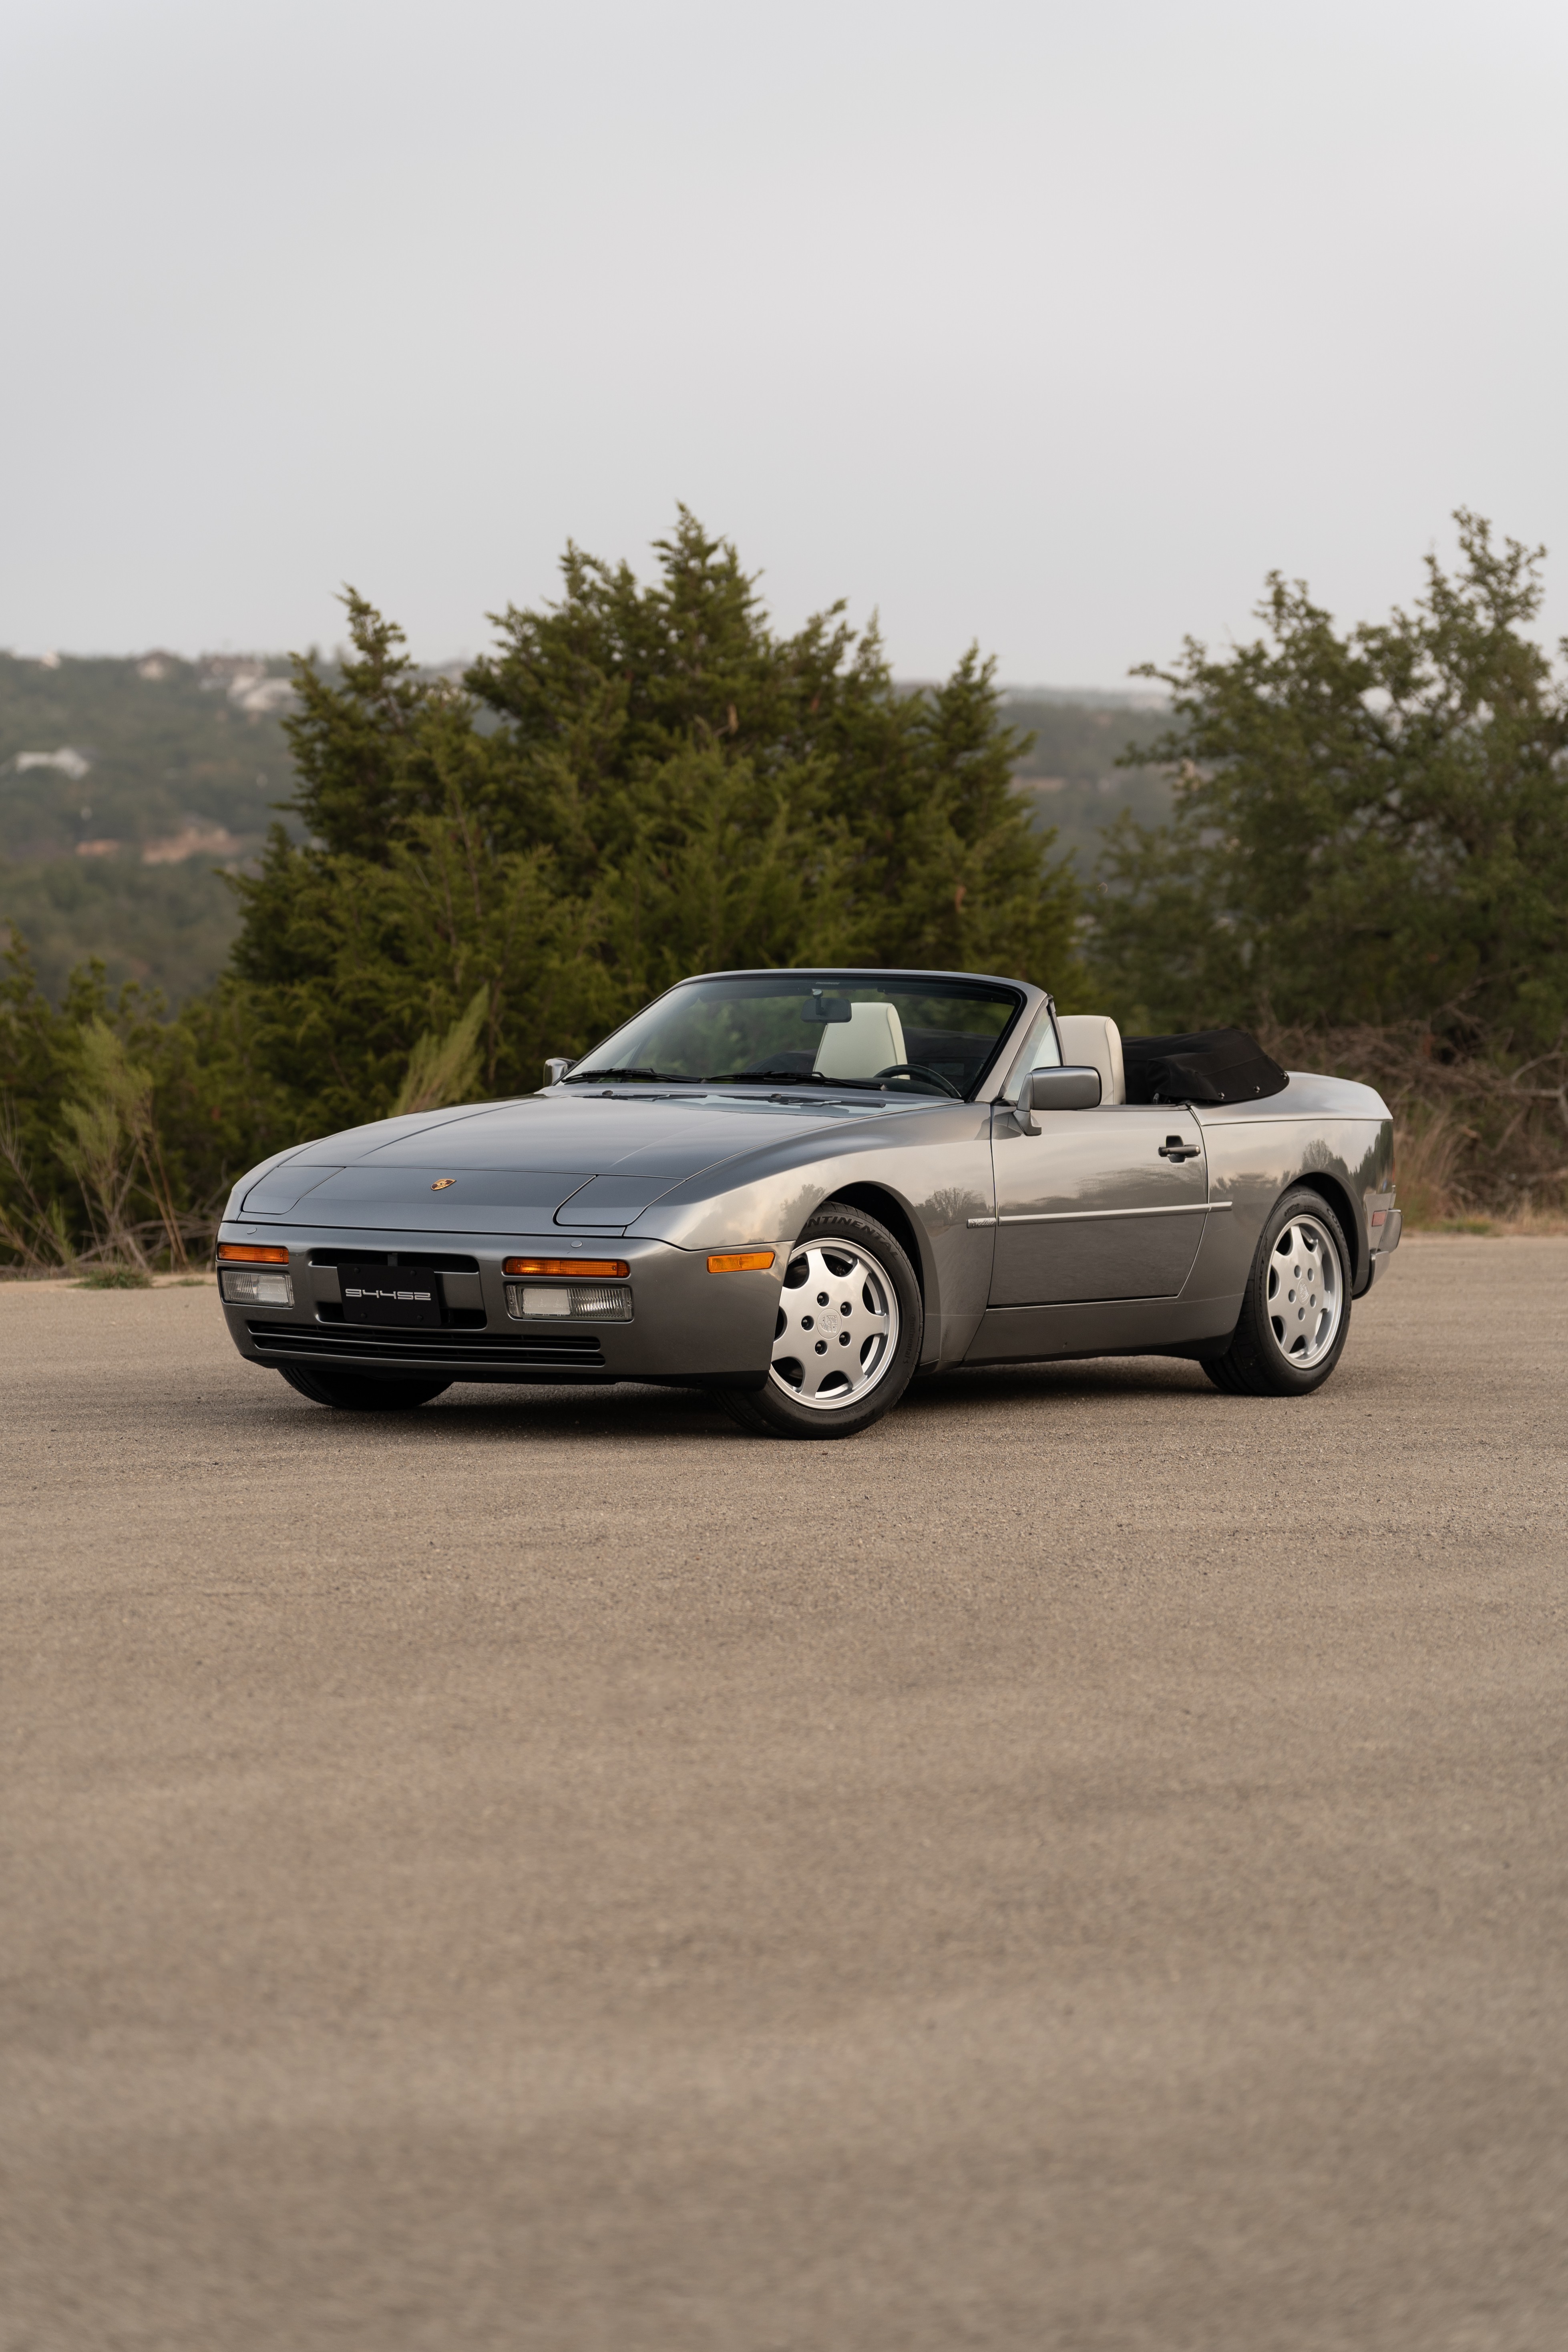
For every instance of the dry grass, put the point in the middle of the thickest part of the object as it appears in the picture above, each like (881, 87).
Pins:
(1481, 1141)
(1536, 1223)
(1428, 1144)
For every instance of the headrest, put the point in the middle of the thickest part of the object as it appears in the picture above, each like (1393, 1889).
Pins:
(870, 1040)
(1094, 1041)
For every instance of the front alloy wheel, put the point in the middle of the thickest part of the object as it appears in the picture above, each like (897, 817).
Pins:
(837, 1329)
(848, 1336)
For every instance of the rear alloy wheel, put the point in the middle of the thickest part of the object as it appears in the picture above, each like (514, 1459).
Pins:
(1296, 1317)
(848, 1336)
(361, 1391)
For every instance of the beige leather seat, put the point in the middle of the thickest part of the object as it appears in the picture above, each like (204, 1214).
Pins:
(872, 1039)
(1093, 1042)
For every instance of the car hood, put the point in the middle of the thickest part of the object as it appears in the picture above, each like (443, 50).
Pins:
(589, 1164)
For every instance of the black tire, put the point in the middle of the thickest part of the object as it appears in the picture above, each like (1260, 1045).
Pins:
(1296, 1316)
(362, 1392)
(868, 1249)
(1223, 1374)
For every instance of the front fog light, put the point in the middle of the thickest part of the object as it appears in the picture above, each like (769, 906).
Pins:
(604, 1301)
(599, 1302)
(249, 1286)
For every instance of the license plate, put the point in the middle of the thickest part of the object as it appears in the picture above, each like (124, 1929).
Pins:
(389, 1294)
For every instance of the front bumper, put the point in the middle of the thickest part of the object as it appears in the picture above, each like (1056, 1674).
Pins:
(688, 1327)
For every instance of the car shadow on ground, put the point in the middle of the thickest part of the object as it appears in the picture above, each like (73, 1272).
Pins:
(630, 1411)
(1089, 1377)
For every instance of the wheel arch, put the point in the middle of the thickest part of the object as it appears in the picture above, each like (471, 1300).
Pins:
(1338, 1197)
(889, 1211)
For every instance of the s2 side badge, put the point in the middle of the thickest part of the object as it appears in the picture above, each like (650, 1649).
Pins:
(441, 1183)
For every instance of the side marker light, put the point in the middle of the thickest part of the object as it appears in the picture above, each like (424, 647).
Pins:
(741, 1262)
(244, 1253)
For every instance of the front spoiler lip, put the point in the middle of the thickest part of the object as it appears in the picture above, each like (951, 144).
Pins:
(303, 1344)
(360, 1345)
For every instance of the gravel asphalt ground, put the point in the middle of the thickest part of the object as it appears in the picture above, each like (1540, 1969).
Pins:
(1080, 1866)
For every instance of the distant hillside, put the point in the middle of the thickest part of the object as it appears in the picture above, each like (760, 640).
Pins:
(128, 787)
(168, 927)
(1072, 775)
(147, 758)
(123, 785)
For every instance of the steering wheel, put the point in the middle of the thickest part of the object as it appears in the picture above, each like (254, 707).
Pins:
(920, 1070)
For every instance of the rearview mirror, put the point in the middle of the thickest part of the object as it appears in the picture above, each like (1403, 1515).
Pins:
(1077, 1087)
(819, 1008)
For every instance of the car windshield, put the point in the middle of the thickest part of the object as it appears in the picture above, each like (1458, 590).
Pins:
(910, 1033)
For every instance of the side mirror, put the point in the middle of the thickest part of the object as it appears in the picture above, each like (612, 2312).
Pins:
(558, 1065)
(1073, 1088)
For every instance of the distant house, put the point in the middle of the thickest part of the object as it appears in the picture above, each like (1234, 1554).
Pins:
(193, 840)
(263, 696)
(67, 760)
(247, 683)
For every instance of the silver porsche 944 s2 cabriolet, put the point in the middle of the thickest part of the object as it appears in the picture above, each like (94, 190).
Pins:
(798, 1188)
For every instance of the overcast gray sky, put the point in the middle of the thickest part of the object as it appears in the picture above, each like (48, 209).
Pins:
(1051, 325)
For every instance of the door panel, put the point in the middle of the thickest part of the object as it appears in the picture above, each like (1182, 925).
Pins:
(1092, 1207)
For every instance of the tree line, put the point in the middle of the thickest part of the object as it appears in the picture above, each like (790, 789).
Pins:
(643, 779)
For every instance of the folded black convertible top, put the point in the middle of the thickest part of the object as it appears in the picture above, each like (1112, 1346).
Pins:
(1205, 1066)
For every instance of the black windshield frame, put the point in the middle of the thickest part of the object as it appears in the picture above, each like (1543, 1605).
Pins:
(998, 1002)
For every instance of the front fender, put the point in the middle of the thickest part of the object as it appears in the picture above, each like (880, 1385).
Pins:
(939, 1177)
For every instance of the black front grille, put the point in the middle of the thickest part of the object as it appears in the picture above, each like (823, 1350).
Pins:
(360, 1344)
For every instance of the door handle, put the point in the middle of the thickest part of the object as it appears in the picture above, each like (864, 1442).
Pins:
(1174, 1149)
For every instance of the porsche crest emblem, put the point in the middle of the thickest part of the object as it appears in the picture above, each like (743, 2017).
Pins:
(441, 1183)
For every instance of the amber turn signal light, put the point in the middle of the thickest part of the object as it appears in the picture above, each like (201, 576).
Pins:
(741, 1262)
(591, 1269)
(243, 1254)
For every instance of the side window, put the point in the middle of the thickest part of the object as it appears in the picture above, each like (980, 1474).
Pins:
(1046, 1052)
(1043, 1052)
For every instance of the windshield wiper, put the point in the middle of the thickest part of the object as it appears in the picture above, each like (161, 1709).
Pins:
(787, 1078)
(728, 1079)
